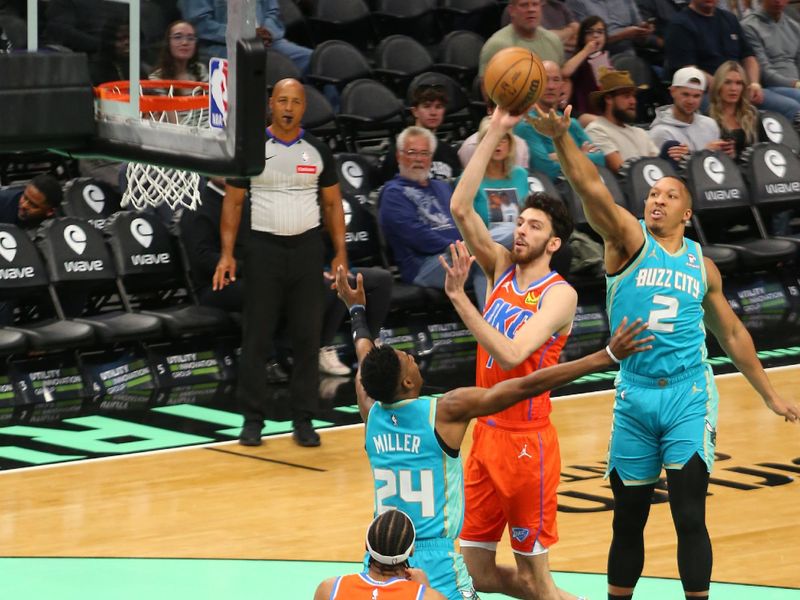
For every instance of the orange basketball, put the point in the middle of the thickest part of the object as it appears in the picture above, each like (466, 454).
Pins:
(514, 79)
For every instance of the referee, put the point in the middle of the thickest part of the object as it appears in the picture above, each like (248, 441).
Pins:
(283, 260)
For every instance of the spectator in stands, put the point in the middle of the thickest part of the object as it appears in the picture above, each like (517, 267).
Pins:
(503, 189)
(112, 62)
(5, 43)
(210, 18)
(179, 57)
(706, 36)
(467, 148)
(28, 206)
(414, 212)
(679, 129)
(613, 132)
(775, 39)
(659, 13)
(13, 28)
(78, 24)
(428, 107)
(558, 18)
(625, 25)
(524, 31)
(586, 67)
(737, 118)
(541, 148)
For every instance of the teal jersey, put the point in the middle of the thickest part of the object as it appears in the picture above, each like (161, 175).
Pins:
(410, 469)
(666, 291)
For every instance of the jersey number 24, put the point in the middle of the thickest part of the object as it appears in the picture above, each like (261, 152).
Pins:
(423, 496)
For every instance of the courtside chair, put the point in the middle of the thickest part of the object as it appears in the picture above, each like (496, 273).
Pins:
(369, 115)
(398, 59)
(414, 18)
(348, 20)
(459, 55)
(337, 63)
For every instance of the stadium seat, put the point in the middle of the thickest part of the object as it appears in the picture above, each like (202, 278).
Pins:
(12, 342)
(480, 16)
(458, 56)
(356, 174)
(342, 20)
(26, 285)
(772, 172)
(337, 63)
(91, 200)
(398, 59)
(721, 198)
(152, 280)
(320, 119)
(279, 67)
(369, 114)
(415, 18)
(294, 20)
(779, 130)
(79, 264)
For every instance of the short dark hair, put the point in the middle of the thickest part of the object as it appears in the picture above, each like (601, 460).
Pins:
(391, 534)
(555, 209)
(50, 188)
(429, 92)
(380, 373)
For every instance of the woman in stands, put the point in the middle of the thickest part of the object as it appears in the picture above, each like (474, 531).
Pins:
(179, 59)
(503, 189)
(737, 118)
(587, 65)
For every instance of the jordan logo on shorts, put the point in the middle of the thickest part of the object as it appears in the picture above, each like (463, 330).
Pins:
(524, 452)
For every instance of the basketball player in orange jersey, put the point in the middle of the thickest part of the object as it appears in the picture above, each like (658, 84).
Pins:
(390, 541)
(512, 473)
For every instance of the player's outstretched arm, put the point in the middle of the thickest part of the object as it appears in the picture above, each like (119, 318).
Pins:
(356, 301)
(462, 207)
(738, 345)
(465, 403)
(618, 227)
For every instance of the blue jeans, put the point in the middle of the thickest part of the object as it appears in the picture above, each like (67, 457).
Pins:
(782, 100)
(431, 274)
(299, 55)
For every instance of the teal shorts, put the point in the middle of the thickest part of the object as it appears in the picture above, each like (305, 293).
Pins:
(662, 422)
(444, 567)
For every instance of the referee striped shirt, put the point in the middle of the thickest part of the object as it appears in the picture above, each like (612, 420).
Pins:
(284, 198)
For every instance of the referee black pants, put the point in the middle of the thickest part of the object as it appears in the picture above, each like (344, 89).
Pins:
(282, 275)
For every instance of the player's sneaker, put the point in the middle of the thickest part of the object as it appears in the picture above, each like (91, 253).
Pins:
(330, 364)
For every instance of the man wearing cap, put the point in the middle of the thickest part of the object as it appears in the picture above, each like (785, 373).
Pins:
(679, 129)
(613, 132)
(390, 543)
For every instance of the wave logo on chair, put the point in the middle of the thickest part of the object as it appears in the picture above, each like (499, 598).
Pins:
(776, 162)
(714, 169)
(142, 232)
(75, 238)
(94, 198)
(8, 246)
(652, 173)
(773, 129)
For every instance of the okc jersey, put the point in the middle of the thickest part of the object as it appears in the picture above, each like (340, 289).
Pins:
(666, 291)
(361, 586)
(411, 471)
(507, 310)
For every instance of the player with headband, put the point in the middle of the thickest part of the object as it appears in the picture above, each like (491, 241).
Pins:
(390, 542)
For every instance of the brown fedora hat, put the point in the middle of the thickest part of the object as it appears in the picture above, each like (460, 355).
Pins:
(612, 81)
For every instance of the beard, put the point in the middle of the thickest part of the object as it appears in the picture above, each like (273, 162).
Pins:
(624, 116)
(417, 174)
(530, 254)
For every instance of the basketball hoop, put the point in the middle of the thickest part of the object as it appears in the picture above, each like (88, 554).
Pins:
(163, 104)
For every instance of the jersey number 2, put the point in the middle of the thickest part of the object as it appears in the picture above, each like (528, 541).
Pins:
(657, 316)
(423, 496)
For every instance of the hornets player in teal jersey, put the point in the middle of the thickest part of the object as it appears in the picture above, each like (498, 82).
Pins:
(665, 411)
(413, 441)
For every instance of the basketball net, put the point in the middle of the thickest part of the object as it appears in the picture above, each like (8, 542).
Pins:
(168, 104)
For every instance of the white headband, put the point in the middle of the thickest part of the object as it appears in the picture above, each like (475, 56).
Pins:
(392, 560)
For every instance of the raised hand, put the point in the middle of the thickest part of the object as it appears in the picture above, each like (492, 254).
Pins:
(458, 273)
(623, 342)
(551, 124)
(347, 294)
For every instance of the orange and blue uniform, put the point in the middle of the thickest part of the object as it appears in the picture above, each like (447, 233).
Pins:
(360, 586)
(512, 473)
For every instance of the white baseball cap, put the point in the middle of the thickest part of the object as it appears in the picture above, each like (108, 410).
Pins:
(690, 77)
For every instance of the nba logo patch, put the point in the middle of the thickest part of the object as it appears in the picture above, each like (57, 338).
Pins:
(218, 93)
(520, 533)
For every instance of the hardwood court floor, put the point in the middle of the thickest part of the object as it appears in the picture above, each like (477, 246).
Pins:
(280, 501)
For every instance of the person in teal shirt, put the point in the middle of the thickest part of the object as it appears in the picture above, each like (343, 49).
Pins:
(502, 191)
(541, 148)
